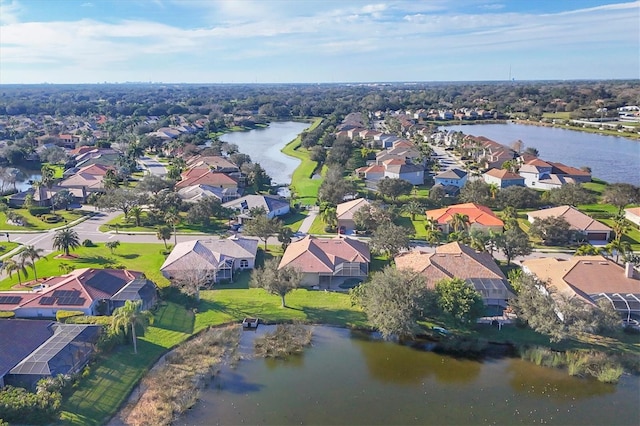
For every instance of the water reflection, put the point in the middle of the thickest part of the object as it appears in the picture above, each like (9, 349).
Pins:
(401, 364)
(533, 380)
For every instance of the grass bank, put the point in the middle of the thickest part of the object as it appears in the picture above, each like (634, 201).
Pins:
(302, 182)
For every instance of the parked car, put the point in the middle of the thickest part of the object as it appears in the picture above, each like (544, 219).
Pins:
(342, 230)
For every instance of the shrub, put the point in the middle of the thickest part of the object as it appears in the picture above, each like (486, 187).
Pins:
(18, 405)
(38, 211)
(88, 243)
(50, 218)
(62, 315)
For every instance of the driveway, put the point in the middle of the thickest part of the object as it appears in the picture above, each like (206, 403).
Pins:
(153, 166)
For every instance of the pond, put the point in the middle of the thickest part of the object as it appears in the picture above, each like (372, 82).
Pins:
(263, 146)
(23, 178)
(611, 158)
(349, 378)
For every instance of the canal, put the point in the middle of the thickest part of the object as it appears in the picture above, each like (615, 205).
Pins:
(348, 378)
(611, 158)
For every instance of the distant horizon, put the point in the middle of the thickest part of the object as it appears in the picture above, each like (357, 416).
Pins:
(315, 42)
(339, 83)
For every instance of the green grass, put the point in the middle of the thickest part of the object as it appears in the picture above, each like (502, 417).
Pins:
(33, 223)
(305, 188)
(557, 115)
(6, 247)
(134, 256)
(596, 186)
(294, 220)
(217, 226)
(317, 227)
(113, 377)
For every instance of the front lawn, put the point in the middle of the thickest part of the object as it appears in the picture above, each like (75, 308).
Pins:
(146, 258)
(33, 223)
(6, 247)
(119, 224)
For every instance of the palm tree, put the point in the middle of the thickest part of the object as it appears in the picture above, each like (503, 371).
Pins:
(66, 239)
(65, 268)
(112, 245)
(459, 222)
(163, 233)
(620, 227)
(618, 247)
(136, 213)
(329, 216)
(493, 190)
(131, 314)
(173, 218)
(478, 240)
(413, 208)
(110, 180)
(11, 266)
(47, 180)
(31, 253)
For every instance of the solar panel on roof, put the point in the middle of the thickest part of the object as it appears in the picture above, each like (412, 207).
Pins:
(10, 300)
(78, 301)
(47, 300)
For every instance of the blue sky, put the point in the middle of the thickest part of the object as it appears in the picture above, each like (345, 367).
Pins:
(306, 41)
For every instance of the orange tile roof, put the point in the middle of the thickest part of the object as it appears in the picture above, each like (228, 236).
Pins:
(503, 174)
(322, 255)
(477, 214)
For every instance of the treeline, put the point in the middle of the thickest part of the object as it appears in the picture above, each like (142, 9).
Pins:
(283, 101)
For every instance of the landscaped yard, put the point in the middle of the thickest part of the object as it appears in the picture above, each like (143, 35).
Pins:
(146, 258)
(119, 223)
(6, 247)
(33, 223)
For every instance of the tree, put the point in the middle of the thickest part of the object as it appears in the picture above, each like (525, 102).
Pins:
(112, 245)
(621, 195)
(394, 300)
(262, 227)
(20, 267)
(63, 199)
(390, 238)
(531, 151)
(587, 250)
(284, 236)
(334, 186)
(437, 193)
(329, 216)
(394, 187)
(277, 281)
(32, 254)
(412, 208)
(48, 179)
(136, 213)
(163, 233)
(618, 247)
(459, 222)
(620, 226)
(552, 230)
(459, 300)
(475, 191)
(518, 197)
(110, 180)
(572, 194)
(193, 276)
(131, 315)
(239, 159)
(173, 218)
(256, 176)
(493, 190)
(513, 242)
(65, 240)
(478, 240)
(154, 184)
(121, 199)
(365, 219)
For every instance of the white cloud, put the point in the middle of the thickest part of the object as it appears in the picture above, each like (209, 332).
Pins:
(9, 12)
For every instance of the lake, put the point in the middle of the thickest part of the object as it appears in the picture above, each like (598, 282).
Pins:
(263, 146)
(611, 158)
(348, 378)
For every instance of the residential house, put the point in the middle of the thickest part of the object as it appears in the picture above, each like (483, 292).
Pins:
(91, 291)
(590, 279)
(409, 172)
(503, 178)
(194, 193)
(206, 176)
(579, 223)
(455, 260)
(273, 206)
(632, 214)
(480, 217)
(452, 177)
(345, 212)
(216, 259)
(213, 162)
(373, 172)
(31, 350)
(328, 262)
(539, 174)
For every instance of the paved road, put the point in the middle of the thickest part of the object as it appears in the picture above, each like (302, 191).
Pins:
(153, 166)
(446, 159)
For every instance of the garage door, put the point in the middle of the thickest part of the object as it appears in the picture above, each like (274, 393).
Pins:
(597, 236)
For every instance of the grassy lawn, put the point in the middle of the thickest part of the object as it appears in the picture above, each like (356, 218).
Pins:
(557, 115)
(302, 182)
(134, 256)
(33, 223)
(217, 226)
(632, 236)
(113, 376)
(6, 247)
(596, 186)
(294, 220)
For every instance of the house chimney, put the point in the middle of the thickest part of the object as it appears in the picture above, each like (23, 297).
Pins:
(628, 270)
